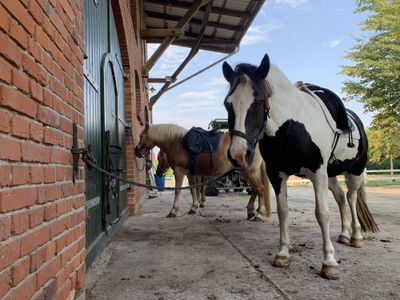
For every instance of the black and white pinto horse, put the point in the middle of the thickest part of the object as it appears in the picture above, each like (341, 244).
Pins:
(296, 136)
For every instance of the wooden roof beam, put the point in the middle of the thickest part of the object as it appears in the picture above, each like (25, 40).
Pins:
(214, 10)
(182, 22)
(157, 15)
(160, 33)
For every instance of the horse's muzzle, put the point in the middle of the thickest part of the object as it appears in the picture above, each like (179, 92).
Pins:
(139, 152)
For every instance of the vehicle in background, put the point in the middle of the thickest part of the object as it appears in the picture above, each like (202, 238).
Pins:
(234, 181)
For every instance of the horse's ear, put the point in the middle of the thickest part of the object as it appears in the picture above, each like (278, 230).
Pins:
(227, 70)
(263, 69)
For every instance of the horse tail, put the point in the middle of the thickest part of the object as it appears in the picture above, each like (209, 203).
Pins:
(365, 218)
(267, 192)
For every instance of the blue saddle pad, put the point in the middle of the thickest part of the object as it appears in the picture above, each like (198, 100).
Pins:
(198, 140)
(334, 104)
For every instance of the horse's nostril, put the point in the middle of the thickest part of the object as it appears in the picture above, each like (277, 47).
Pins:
(248, 153)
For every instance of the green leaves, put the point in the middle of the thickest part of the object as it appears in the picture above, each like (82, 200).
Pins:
(375, 74)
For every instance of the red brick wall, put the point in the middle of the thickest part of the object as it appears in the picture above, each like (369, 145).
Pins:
(42, 214)
(136, 97)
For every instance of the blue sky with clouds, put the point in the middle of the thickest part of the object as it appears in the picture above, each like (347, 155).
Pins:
(306, 39)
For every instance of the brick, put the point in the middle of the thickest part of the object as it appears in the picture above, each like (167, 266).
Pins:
(50, 250)
(60, 174)
(64, 292)
(60, 156)
(37, 259)
(20, 80)
(20, 270)
(53, 136)
(48, 270)
(36, 174)
(9, 252)
(5, 227)
(49, 174)
(5, 118)
(5, 175)
(36, 131)
(16, 198)
(34, 153)
(4, 20)
(19, 35)
(36, 217)
(10, 149)
(80, 279)
(48, 116)
(24, 291)
(19, 175)
(14, 99)
(35, 50)
(10, 50)
(48, 193)
(19, 222)
(34, 69)
(50, 290)
(20, 126)
(20, 13)
(36, 90)
(34, 239)
(5, 282)
(58, 226)
(5, 71)
(50, 212)
(61, 242)
(36, 11)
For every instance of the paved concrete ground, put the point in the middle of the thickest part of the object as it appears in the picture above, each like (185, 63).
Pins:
(218, 254)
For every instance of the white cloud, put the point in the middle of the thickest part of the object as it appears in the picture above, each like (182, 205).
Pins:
(217, 82)
(169, 61)
(259, 33)
(210, 95)
(333, 43)
(291, 3)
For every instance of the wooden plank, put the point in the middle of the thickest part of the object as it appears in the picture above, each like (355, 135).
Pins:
(169, 40)
(160, 32)
(214, 10)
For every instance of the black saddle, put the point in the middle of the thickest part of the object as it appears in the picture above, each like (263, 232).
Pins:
(335, 106)
(198, 140)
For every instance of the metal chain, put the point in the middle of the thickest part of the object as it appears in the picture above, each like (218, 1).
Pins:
(92, 163)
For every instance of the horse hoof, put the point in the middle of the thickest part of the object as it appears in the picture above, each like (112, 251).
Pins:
(257, 218)
(356, 243)
(343, 239)
(201, 205)
(250, 216)
(192, 212)
(281, 261)
(330, 272)
(171, 215)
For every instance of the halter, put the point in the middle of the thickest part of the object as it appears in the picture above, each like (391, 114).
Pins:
(267, 93)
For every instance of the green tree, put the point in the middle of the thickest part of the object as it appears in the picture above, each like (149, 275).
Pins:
(384, 140)
(375, 74)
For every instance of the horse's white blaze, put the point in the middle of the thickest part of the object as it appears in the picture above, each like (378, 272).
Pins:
(241, 99)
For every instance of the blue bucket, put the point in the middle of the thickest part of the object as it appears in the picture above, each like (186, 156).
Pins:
(160, 182)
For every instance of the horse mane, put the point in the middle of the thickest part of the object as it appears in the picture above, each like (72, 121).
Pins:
(165, 132)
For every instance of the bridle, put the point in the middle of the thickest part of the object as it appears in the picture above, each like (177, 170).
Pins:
(267, 93)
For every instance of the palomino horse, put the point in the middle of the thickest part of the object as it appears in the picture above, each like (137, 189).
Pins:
(162, 167)
(296, 136)
(168, 137)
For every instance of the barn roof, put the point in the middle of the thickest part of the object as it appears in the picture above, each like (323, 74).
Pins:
(225, 22)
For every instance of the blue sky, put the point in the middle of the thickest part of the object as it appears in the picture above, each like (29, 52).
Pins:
(306, 39)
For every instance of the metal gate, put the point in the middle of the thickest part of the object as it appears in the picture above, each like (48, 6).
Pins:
(104, 124)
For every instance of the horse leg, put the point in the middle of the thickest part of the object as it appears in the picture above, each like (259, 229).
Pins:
(202, 192)
(340, 198)
(353, 184)
(258, 191)
(330, 269)
(279, 183)
(193, 190)
(178, 183)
